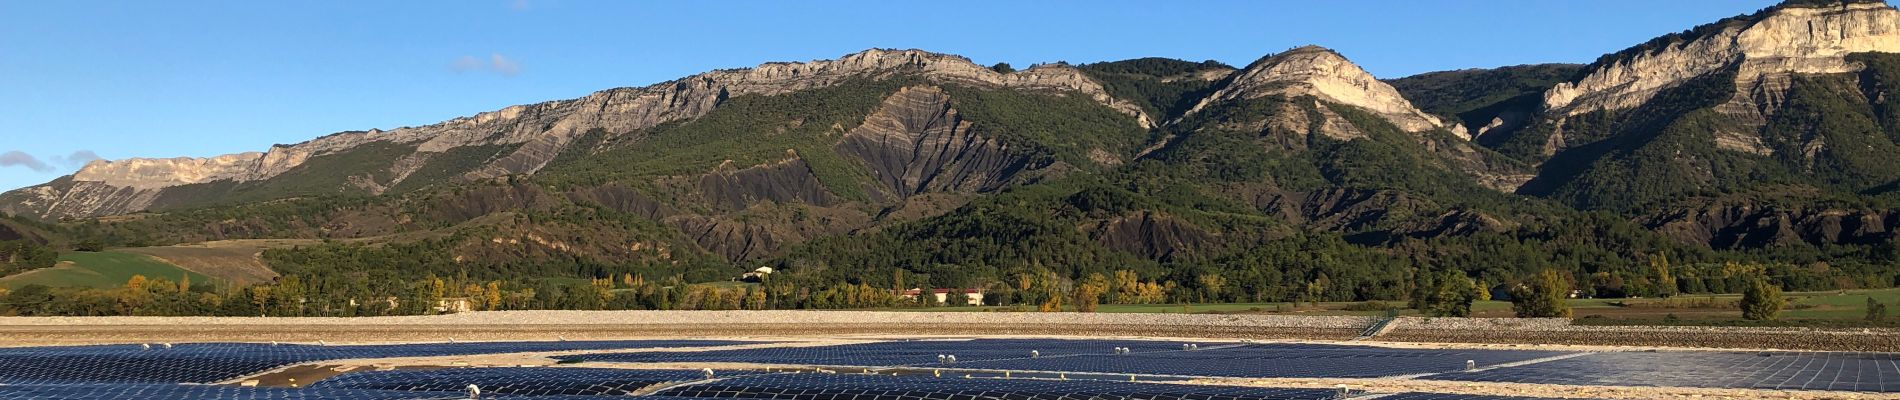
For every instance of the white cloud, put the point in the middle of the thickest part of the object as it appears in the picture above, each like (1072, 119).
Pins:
(496, 63)
(16, 158)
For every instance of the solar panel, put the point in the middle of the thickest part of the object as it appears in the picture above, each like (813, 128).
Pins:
(897, 353)
(808, 386)
(194, 392)
(1272, 361)
(1842, 371)
(214, 362)
(535, 381)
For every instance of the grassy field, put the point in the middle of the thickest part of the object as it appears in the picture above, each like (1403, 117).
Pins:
(1835, 308)
(106, 269)
(231, 261)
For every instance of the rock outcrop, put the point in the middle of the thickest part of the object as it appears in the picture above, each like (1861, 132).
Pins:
(1730, 224)
(1765, 47)
(917, 143)
(1152, 235)
(1324, 74)
(789, 181)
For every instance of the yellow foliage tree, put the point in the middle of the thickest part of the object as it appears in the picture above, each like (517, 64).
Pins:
(1088, 294)
(492, 297)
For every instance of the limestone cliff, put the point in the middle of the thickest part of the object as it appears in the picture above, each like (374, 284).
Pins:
(1765, 48)
(1324, 74)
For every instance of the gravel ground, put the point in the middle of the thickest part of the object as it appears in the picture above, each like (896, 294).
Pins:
(579, 325)
(1559, 331)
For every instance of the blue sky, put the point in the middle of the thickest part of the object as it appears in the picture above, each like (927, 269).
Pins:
(200, 78)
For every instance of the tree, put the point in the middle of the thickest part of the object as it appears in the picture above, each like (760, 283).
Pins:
(1665, 281)
(492, 301)
(1876, 311)
(754, 298)
(1450, 296)
(1053, 304)
(1002, 68)
(1213, 287)
(1088, 294)
(89, 245)
(1127, 286)
(1542, 297)
(1761, 301)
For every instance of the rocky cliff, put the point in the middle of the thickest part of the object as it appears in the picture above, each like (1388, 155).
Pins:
(1765, 47)
(1324, 74)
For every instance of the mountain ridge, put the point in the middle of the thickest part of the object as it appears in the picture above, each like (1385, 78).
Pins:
(1280, 173)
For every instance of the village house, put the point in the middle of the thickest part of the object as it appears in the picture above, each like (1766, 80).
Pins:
(972, 297)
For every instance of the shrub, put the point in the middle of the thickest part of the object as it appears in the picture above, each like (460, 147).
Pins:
(1762, 300)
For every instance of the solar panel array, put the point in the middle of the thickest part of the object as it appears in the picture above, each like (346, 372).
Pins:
(219, 392)
(1858, 372)
(1077, 369)
(214, 362)
(1274, 361)
(897, 353)
(808, 386)
(536, 381)
(1095, 356)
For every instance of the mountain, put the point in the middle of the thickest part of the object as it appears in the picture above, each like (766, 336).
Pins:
(513, 140)
(1757, 139)
(1486, 101)
(1747, 132)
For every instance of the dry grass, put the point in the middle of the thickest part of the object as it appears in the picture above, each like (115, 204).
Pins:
(237, 263)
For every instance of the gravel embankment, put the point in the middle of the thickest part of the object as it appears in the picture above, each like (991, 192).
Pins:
(547, 325)
(1559, 331)
(579, 325)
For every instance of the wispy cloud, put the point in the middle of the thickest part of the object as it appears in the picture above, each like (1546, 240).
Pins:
(466, 64)
(16, 158)
(76, 160)
(503, 65)
(519, 5)
(495, 63)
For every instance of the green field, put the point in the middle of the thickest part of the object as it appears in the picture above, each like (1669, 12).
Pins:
(106, 269)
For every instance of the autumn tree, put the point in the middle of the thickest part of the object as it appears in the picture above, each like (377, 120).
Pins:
(492, 296)
(1665, 280)
(1213, 287)
(1088, 293)
(1127, 286)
